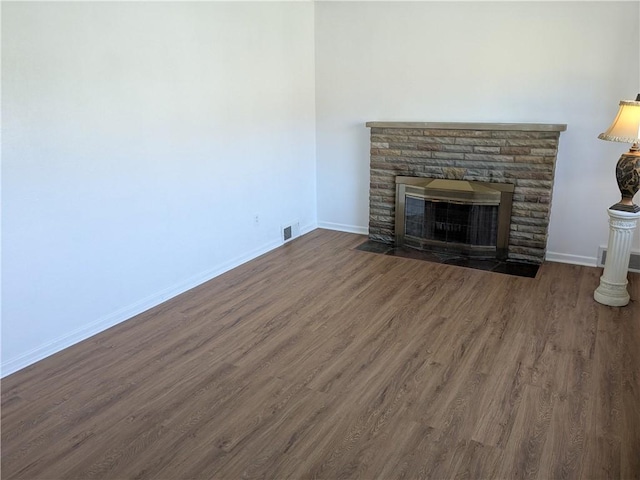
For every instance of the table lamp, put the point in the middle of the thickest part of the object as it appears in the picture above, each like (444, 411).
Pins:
(623, 216)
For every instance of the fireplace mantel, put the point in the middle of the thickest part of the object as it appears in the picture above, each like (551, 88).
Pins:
(507, 127)
(521, 154)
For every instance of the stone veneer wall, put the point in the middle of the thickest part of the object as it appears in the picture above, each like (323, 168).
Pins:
(521, 154)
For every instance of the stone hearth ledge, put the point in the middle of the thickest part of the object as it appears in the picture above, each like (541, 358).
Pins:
(525, 127)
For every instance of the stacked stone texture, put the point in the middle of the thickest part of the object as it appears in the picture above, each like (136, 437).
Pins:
(524, 158)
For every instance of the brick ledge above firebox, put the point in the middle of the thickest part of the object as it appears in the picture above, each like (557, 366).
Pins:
(523, 154)
(525, 127)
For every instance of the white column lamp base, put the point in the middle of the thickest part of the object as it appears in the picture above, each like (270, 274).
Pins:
(613, 282)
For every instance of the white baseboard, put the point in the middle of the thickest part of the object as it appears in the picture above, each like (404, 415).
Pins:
(344, 228)
(125, 313)
(585, 261)
(571, 259)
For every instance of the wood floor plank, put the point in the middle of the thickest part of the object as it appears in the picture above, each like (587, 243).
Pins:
(501, 399)
(477, 461)
(564, 448)
(523, 453)
(601, 459)
(318, 360)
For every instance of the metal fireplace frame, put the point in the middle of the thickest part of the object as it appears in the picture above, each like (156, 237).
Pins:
(460, 192)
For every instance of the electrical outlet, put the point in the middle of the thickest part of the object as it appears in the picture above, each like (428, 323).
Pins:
(256, 219)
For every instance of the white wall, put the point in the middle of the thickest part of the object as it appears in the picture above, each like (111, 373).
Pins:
(139, 142)
(547, 62)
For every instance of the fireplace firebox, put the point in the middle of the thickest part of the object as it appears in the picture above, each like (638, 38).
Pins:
(453, 215)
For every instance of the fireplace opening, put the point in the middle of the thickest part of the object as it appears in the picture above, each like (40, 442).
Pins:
(453, 215)
(451, 222)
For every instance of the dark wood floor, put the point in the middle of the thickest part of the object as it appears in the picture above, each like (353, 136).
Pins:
(321, 361)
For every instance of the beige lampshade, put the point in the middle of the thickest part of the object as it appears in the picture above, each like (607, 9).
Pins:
(626, 127)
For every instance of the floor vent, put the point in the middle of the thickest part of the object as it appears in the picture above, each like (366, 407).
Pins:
(290, 231)
(634, 261)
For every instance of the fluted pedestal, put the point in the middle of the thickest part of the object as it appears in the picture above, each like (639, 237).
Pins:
(613, 282)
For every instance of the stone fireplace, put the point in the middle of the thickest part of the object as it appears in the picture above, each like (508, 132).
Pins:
(516, 157)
